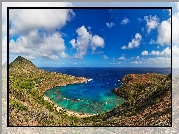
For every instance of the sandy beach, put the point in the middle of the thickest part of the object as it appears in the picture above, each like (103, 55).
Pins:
(70, 113)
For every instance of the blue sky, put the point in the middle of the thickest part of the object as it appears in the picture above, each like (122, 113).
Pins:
(92, 37)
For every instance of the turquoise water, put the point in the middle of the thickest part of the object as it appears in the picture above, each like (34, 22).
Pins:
(94, 96)
(79, 103)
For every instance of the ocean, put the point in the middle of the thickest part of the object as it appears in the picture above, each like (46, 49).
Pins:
(94, 97)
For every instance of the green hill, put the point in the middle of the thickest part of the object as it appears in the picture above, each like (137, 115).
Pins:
(27, 85)
(148, 99)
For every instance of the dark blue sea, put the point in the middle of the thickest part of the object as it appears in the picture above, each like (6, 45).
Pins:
(94, 96)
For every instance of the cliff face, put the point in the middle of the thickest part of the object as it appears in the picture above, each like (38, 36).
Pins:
(148, 100)
(140, 88)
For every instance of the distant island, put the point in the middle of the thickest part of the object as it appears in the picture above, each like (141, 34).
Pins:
(148, 99)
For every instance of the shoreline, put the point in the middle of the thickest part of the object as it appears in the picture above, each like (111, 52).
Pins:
(68, 112)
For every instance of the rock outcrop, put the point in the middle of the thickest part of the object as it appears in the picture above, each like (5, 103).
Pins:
(148, 100)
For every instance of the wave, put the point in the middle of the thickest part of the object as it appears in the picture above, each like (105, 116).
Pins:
(90, 79)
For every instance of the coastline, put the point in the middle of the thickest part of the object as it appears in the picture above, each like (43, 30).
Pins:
(68, 112)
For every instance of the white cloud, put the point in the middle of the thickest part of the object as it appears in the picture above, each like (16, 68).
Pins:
(165, 52)
(134, 43)
(124, 47)
(64, 55)
(164, 33)
(152, 22)
(136, 62)
(105, 57)
(109, 25)
(24, 20)
(122, 58)
(152, 42)
(26, 4)
(145, 52)
(38, 45)
(159, 60)
(72, 42)
(157, 46)
(125, 21)
(85, 41)
(137, 57)
(153, 52)
(97, 42)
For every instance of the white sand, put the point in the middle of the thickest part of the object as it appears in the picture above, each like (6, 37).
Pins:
(70, 113)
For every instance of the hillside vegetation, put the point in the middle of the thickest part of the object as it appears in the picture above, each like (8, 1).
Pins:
(148, 99)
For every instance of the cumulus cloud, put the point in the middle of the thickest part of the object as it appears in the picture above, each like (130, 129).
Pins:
(124, 47)
(145, 52)
(165, 52)
(153, 52)
(47, 47)
(164, 33)
(64, 55)
(85, 41)
(24, 20)
(125, 21)
(122, 58)
(109, 25)
(134, 43)
(97, 42)
(152, 22)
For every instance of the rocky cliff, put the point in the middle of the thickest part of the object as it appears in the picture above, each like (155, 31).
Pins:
(148, 101)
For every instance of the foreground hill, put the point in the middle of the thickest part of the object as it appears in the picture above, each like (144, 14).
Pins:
(27, 85)
(148, 99)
